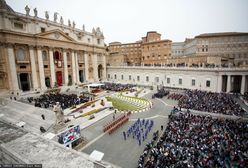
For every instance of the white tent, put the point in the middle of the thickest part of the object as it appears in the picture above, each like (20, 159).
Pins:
(96, 155)
(95, 85)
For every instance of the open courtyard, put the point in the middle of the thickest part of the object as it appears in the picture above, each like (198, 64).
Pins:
(124, 84)
(119, 150)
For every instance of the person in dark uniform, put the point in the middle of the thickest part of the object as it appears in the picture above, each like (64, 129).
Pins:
(42, 129)
(124, 135)
(43, 116)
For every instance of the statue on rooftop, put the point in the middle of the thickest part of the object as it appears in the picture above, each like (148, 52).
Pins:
(61, 20)
(27, 9)
(46, 15)
(83, 28)
(55, 16)
(35, 12)
(69, 23)
(73, 25)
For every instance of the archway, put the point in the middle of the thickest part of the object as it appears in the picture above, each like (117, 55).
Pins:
(59, 78)
(57, 59)
(100, 71)
(47, 82)
(56, 56)
(24, 81)
(236, 83)
(81, 76)
(69, 80)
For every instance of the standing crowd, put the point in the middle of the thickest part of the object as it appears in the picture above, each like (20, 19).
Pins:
(139, 130)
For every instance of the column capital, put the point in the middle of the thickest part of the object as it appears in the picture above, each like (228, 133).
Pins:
(51, 48)
(9, 45)
(3, 44)
(31, 47)
(64, 50)
(39, 47)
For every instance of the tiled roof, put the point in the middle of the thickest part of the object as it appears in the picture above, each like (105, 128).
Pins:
(221, 34)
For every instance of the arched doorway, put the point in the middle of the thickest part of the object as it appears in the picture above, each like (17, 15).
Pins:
(236, 84)
(56, 56)
(81, 76)
(24, 81)
(57, 59)
(47, 82)
(69, 80)
(59, 78)
(100, 71)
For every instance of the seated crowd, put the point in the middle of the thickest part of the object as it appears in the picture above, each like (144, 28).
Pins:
(246, 96)
(118, 87)
(210, 102)
(193, 65)
(198, 141)
(161, 93)
(50, 99)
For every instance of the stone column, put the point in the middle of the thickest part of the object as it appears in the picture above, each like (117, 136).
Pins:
(86, 66)
(77, 68)
(95, 66)
(104, 73)
(74, 80)
(228, 88)
(242, 89)
(219, 86)
(41, 70)
(12, 67)
(33, 68)
(65, 68)
(52, 68)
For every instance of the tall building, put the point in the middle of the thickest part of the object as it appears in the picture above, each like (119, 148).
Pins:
(149, 51)
(37, 53)
(155, 50)
(228, 48)
(124, 54)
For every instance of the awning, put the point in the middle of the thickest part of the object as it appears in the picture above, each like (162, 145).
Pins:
(95, 85)
(96, 155)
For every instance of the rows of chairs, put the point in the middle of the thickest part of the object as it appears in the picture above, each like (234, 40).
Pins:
(113, 123)
(175, 96)
(119, 124)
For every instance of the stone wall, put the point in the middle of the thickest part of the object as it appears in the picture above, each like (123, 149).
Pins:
(7, 157)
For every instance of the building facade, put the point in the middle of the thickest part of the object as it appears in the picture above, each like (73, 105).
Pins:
(149, 51)
(37, 53)
(213, 48)
(124, 54)
(208, 79)
(154, 50)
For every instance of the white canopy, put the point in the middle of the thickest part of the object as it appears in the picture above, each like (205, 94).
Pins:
(95, 85)
(96, 155)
